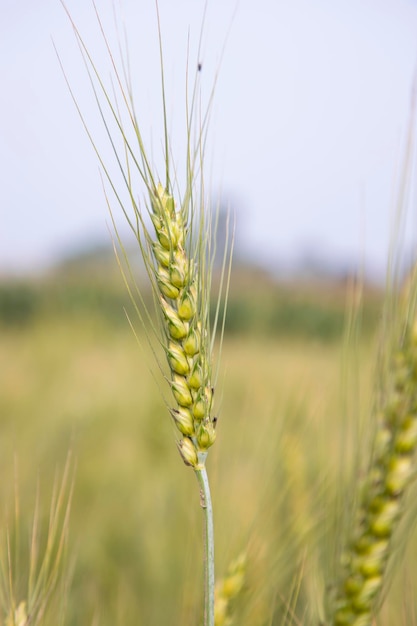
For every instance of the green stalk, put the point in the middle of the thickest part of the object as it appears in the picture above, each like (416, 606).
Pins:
(205, 501)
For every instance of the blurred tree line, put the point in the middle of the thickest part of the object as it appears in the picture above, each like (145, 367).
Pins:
(89, 284)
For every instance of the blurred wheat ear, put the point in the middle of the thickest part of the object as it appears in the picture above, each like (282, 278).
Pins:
(364, 571)
(33, 579)
(392, 469)
(175, 234)
(228, 589)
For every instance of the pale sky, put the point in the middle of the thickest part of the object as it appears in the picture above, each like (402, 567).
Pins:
(306, 140)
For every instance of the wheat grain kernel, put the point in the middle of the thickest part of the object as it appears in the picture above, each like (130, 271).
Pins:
(188, 452)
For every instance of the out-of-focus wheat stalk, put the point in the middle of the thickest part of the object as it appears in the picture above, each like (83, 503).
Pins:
(393, 463)
(391, 472)
(26, 588)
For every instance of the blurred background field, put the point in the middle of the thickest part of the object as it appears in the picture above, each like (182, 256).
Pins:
(290, 398)
(308, 133)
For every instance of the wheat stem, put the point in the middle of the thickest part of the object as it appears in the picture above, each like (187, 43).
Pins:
(206, 505)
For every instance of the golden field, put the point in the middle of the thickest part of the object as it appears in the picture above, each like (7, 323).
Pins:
(293, 411)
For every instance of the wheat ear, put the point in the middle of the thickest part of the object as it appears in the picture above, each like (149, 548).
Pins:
(178, 260)
(391, 471)
(185, 329)
(228, 589)
(181, 282)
